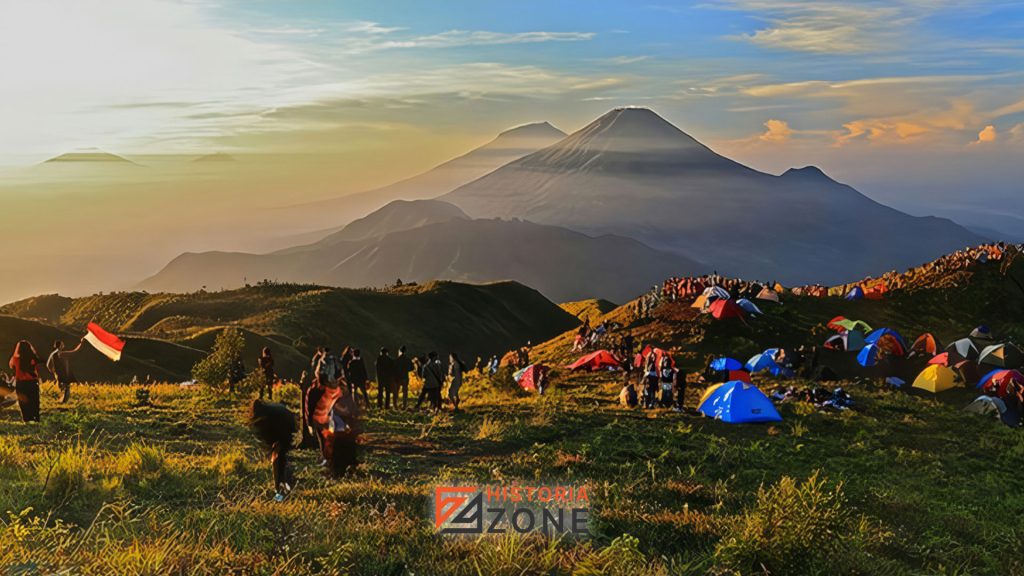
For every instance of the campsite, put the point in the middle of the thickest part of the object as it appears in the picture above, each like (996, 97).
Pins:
(902, 483)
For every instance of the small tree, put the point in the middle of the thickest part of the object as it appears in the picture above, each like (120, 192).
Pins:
(215, 369)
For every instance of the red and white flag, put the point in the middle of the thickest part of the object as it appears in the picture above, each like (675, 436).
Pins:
(108, 344)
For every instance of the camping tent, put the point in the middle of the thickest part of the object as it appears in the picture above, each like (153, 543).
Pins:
(870, 355)
(986, 405)
(848, 341)
(723, 309)
(724, 363)
(768, 294)
(935, 379)
(964, 349)
(855, 293)
(940, 359)
(876, 292)
(926, 344)
(738, 402)
(840, 323)
(996, 382)
(981, 333)
(600, 360)
(700, 303)
(889, 339)
(529, 378)
(1001, 355)
(641, 360)
(748, 306)
(713, 293)
(766, 361)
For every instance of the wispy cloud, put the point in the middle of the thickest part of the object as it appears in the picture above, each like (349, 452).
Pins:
(370, 37)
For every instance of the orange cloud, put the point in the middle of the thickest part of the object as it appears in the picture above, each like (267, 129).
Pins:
(776, 131)
(988, 134)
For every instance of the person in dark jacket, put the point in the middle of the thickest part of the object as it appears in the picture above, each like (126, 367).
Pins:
(384, 366)
(274, 425)
(355, 372)
(403, 366)
(266, 364)
(59, 364)
(432, 373)
(25, 363)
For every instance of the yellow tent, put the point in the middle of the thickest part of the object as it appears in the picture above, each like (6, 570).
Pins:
(710, 390)
(936, 378)
(700, 302)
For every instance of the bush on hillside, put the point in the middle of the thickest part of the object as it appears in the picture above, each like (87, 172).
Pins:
(215, 369)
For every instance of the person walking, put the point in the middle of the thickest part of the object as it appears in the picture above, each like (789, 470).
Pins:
(356, 374)
(456, 370)
(266, 364)
(25, 363)
(432, 374)
(384, 366)
(403, 366)
(59, 364)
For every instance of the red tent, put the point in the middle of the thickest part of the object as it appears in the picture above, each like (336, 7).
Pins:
(940, 359)
(531, 375)
(741, 375)
(722, 309)
(600, 360)
(641, 358)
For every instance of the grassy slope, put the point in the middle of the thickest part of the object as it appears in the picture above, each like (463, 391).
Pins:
(912, 485)
(591, 308)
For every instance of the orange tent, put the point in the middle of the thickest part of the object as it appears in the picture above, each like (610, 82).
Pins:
(600, 360)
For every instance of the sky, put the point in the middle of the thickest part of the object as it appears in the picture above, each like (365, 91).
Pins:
(918, 103)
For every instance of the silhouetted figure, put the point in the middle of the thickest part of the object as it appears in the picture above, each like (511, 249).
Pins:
(456, 370)
(59, 364)
(384, 366)
(403, 366)
(356, 375)
(274, 425)
(432, 374)
(266, 364)
(25, 363)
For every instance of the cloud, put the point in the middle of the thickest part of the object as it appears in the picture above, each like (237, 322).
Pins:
(1017, 133)
(987, 134)
(776, 131)
(626, 60)
(369, 37)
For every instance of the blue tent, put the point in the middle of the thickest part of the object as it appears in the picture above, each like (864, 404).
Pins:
(856, 293)
(876, 335)
(869, 355)
(762, 361)
(737, 402)
(726, 364)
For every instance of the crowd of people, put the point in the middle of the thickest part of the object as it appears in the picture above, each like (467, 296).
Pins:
(686, 289)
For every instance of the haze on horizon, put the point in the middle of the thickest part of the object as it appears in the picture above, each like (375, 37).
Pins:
(919, 105)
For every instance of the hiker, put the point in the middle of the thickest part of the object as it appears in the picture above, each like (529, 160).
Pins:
(667, 381)
(356, 375)
(274, 425)
(433, 380)
(403, 365)
(680, 391)
(493, 365)
(236, 373)
(384, 366)
(627, 397)
(650, 382)
(266, 364)
(456, 369)
(334, 416)
(328, 367)
(25, 363)
(60, 366)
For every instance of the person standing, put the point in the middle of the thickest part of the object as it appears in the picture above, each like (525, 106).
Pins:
(384, 366)
(456, 369)
(266, 364)
(403, 365)
(432, 374)
(356, 373)
(59, 364)
(25, 363)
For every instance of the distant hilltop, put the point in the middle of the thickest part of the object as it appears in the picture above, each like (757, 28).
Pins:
(88, 155)
(216, 157)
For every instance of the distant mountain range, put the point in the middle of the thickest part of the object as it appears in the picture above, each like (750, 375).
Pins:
(632, 173)
(94, 155)
(604, 212)
(425, 240)
(509, 145)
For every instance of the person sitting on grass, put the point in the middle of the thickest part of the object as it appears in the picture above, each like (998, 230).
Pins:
(274, 425)
(627, 397)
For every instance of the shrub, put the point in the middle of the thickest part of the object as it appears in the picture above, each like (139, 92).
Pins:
(798, 528)
(491, 429)
(141, 460)
(621, 558)
(66, 473)
(215, 369)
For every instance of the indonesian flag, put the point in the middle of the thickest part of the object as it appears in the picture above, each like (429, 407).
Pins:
(108, 344)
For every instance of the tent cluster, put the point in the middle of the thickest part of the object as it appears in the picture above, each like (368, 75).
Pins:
(718, 302)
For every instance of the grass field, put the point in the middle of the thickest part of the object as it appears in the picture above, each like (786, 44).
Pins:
(905, 485)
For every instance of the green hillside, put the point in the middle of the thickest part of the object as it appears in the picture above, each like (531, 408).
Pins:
(473, 320)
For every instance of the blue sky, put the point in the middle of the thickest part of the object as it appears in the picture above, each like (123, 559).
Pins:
(866, 89)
